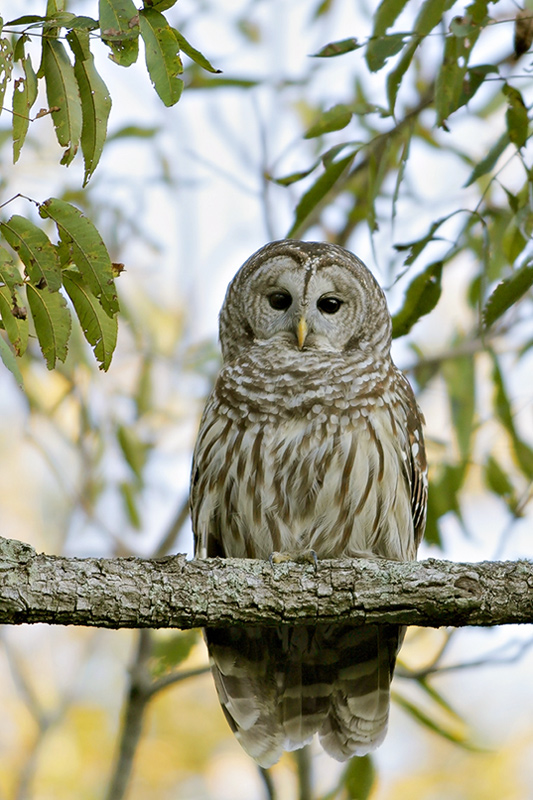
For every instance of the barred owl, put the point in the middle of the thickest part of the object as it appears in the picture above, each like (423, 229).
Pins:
(310, 441)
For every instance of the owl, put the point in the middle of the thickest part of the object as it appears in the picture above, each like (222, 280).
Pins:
(311, 441)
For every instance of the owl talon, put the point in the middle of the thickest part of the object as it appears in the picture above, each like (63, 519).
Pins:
(300, 557)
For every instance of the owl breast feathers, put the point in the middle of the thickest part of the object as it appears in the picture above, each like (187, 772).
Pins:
(311, 439)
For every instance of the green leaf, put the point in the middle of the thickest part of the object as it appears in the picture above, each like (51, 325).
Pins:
(52, 321)
(6, 354)
(501, 401)
(449, 83)
(378, 165)
(421, 297)
(193, 54)
(335, 119)
(330, 155)
(198, 80)
(95, 102)
(379, 50)
(27, 19)
(430, 15)
(522, 451)
(144, 391)
(507, 293)
(119, 26)
(477, 11)
(358, 778)
(15, 320)
(24, 96)
(475, 77)
(394, 78)
(401, 171)
(130, 495)
(287, 180)
(497, 479)
(59, 18)
(82, 23)
(99, 329)
(487, 163)
(9, 274)
(133, 131)
(63, 97)
(439, 699)
(318, 191)
(338, 48)
(162, 56)
(88, 251)
(417, 246)
(386, 14)
(6, 68)
(134, 450)
(159, 5)
(459, 375)
(35, 250)
(457, 737)
(516, 116)
(171, 651)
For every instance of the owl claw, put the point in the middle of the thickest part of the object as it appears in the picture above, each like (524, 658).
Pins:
(300, 557)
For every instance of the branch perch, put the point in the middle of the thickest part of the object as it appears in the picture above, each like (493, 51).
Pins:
(172, 592)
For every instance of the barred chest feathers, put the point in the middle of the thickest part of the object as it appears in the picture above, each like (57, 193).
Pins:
(334, 477)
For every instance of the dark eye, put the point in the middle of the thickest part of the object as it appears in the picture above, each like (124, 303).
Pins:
(329, 305)
(280, 300)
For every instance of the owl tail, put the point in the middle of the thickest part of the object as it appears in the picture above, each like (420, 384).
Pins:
(244, 672)
(279, 686)
(360, 697)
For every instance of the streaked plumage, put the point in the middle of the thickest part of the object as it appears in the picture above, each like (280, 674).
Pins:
(311, 439)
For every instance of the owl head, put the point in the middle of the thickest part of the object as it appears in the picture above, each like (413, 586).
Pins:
(309, 296)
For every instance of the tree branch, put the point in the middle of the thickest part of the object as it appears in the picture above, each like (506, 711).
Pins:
(172, 592)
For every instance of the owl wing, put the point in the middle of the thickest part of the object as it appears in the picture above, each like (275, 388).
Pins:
(417, 460)
(210, 449)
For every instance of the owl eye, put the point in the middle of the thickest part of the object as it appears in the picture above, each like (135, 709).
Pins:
(329, 305)
(280, 300)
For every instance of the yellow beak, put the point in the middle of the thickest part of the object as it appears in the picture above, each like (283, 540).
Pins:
(301, 332)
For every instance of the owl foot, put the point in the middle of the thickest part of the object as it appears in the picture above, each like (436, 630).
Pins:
(300, 557)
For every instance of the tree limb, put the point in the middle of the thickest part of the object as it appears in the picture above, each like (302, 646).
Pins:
(172, 592)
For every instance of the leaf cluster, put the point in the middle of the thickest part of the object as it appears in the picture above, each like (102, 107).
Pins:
(78, 266)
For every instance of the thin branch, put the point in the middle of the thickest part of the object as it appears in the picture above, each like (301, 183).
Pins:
(169, 538)
(491, 659)
(303, 763)
(138, 697)
(142, 689)
(266, 777)
(176, 677)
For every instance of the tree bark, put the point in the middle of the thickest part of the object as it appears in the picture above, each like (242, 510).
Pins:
(172, 592)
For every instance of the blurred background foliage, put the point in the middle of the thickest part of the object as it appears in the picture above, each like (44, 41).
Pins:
(400, 131)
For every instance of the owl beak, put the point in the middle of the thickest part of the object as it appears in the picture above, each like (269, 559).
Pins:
(301, 332)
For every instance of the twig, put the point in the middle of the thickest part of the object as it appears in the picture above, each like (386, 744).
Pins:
(169, 539)
(490, 660)
(303, 763)
(142, 689)
(133, 719)
(268, 782)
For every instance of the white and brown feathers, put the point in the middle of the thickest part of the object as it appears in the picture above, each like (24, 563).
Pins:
(311, 439)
